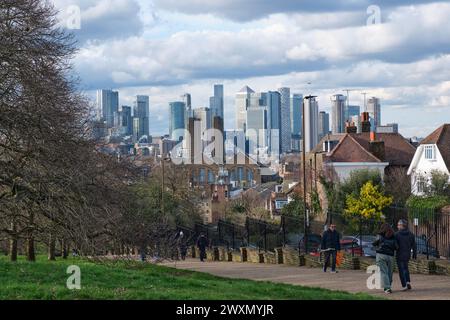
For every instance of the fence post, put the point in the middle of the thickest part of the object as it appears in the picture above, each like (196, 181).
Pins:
(283, 225)
(265, 237)
(436, 217)
(360, 235)
(247, 226)
(232, 234)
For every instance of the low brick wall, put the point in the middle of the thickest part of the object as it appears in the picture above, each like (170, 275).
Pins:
(236, 256)
(312, 261)
(279, 257)
(291, 257)
(253, 255)
(442, 267)
(270, 257)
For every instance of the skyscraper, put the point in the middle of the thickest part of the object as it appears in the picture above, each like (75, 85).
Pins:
(374, 110)
(296, 120)
(285, 132)
(123, 121)
(186, 98)
(311, 124)
(338, 113)
(273, 102)
(257, 129)
(204, 115)
(142, 112)
(324, 124)
(176, 121)
(351, 111)
(244, 98)
(107, 105)
(216, 102)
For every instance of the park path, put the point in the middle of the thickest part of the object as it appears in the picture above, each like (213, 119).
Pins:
(425, 287)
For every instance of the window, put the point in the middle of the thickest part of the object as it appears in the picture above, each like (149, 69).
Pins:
(202, 175)
(211, 177)
(429, 152)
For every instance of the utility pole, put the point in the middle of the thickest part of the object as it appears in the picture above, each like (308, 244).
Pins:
(305, 210)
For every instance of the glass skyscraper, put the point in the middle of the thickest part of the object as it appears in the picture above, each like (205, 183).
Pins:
(177, 118)
(107, 105)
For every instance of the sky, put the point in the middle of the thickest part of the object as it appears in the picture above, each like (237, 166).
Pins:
(396, 50)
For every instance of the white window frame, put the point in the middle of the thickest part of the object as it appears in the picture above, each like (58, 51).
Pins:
(430, 152)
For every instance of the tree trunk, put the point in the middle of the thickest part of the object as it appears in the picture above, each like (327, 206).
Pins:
(64, 249)
(13, 248)
(13, 242)
(31, 253)
(51, 248)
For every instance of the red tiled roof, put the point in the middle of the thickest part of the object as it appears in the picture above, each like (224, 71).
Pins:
(441, 138)
(355, 148)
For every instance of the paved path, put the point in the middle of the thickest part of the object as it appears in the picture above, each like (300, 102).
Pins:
(425, 287)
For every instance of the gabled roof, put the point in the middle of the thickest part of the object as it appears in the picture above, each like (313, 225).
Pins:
(441, 138)
(355, 147)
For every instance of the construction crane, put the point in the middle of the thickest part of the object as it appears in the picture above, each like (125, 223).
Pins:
(348, 94)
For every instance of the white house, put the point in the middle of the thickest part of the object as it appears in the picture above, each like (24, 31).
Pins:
(432, 154)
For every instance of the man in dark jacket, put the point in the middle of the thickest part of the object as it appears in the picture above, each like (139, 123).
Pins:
(406, 242)
(202, 243)
(331, 245)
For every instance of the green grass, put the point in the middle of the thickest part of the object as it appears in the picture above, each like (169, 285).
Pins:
(133, 280)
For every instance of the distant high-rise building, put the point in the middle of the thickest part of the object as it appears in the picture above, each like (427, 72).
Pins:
(176, 121)
(123, 121)
(374, 110)
(216, 102)
(338, 113)
(296, 120)
(324, 124)
(107, 105)
(142, 112)
(257, 132)
(285, 132)
(311, 124)
(351, 111)
(272, 99)
(244, 99)
(389, 128)
(204, 116)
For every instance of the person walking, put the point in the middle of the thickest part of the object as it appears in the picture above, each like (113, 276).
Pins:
(330, 246)
(385, 252)
(182, 245)
(406, 242)
(202, 243)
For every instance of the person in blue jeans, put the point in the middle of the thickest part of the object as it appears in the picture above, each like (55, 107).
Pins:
(330, 245)
(386, 246)
(406, 243)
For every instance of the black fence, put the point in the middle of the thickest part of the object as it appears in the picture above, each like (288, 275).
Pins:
(431, 230)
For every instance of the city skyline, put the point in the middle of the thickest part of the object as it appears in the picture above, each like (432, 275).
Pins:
(332, 48)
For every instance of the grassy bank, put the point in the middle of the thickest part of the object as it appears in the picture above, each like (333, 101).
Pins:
(133, 280)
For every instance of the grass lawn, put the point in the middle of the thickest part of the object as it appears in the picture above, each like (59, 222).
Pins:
(134, 280)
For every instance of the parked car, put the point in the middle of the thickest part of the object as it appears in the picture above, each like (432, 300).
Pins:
(421, 244)
(366, 242)
(314, 242)
(351, 246)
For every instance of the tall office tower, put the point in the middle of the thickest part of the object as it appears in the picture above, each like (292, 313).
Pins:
(311, 124)
(216, 101)
(285, 119)
(351, 111)
(176, 121)
(186, 98)
(142, 112)
(123, 121)
(324, 124)
(272, 100)
(257, 129)
(136, 127)
(244, 99)
(338, 113)
(296, 120)
(204, 116)
(374, 110)
(107, 105)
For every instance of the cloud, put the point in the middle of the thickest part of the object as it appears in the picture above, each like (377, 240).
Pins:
(271, 49)
(102, 19)
(238, 10)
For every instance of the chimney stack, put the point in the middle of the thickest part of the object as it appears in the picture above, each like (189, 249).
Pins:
(350, 127)
(376, 147)
(365, 122)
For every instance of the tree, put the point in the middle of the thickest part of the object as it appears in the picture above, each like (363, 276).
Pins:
(295, 208)
(369, 204)
(398, 185)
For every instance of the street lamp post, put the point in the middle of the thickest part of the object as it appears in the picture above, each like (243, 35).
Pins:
(305, 210)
